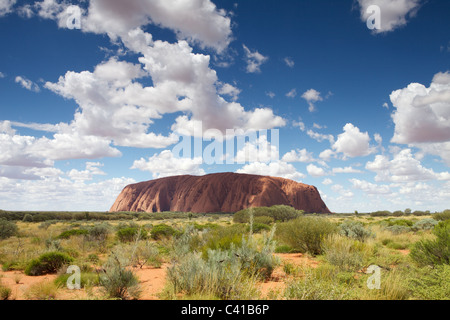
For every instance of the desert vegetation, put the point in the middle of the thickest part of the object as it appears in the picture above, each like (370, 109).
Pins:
(261, 253)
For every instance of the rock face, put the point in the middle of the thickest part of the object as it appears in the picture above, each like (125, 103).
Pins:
(221, 192)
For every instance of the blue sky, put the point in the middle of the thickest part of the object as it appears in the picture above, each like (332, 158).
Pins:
(363, 114)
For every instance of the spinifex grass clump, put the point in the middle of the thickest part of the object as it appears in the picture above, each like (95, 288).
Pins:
(317, 284)
(73, 232)
(355, 230)
(220, 276)
(345, 253)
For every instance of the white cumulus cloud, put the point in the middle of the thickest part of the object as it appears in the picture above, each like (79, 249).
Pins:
(254, 60)
(353, 143)
(394, 13)
(165, 164)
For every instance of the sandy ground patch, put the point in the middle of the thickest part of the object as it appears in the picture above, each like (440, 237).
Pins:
(152, 280)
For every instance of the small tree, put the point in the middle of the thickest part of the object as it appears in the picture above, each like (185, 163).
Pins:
(7, 229)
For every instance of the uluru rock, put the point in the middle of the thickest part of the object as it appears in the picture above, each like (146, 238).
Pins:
(220, 192)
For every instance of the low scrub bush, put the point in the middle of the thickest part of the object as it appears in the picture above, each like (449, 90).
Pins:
(418, 213)
(306, 234)
(442, 216)
(381, 213)
(355, 230)
(397, 222)
(425, 224)
(49, 262)
(398, 229)
(398, 213)
(117, 281)
(99, 232)
(162, 231)
(129, 234)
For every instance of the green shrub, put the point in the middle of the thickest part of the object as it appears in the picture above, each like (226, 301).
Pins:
(380, 213)
(7, 229)
(131, 233)
(47, 263)
(425, 224)
(434, 252)
(162, 231)
(398, 213)
(398, 222)
(99, 232)
(418, 213)
(355, 230)
(445, 215)
(74, 232)
(306, 234)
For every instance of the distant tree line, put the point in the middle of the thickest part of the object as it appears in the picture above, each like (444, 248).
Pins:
(407, 212)
(38, 216)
